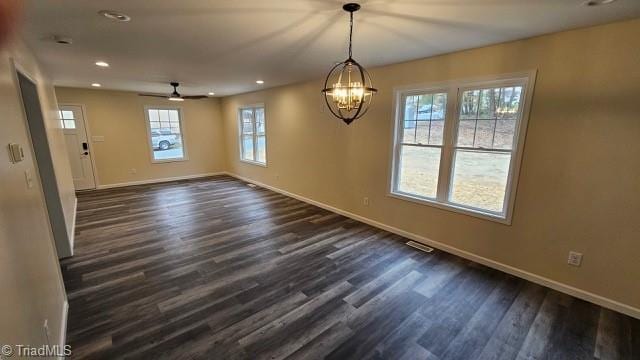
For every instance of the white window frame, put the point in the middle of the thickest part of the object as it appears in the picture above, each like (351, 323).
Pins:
(185, 156)
(255, 135)
(454, 90)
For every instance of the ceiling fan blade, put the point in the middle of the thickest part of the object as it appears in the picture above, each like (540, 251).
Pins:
(195, 97)
(153, 95)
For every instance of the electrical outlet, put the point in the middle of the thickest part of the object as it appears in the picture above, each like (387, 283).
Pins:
(28, 179)
(365, 201)
(575, 258)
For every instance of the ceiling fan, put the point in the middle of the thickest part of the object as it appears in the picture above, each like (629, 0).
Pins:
(175, 95)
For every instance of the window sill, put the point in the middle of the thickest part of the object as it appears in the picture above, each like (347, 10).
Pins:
(257, 163)
(506, 220)
(153, 161)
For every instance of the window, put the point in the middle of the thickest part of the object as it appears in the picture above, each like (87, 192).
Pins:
(67, 119)
(421, 143)
(253, 140)
(165, 131)
(466, 158)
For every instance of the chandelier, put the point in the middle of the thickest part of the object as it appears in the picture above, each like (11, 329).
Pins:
(348, 91)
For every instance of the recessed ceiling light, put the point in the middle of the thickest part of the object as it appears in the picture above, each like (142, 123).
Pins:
(64, 40)
(211, 93)
(96, 85)
(598, 2)
(260, 82)
(114, 15)
(102, 63)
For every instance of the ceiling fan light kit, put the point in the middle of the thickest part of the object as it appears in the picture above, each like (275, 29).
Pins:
(348, 90)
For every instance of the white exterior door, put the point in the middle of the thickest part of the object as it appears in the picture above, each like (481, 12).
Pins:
(78, 148)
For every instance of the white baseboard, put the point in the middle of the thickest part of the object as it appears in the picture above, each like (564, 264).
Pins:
(63, 326)
(541, 280)
(154, 181)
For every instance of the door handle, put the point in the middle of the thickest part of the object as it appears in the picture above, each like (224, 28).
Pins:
(85, 153)
(85, 146)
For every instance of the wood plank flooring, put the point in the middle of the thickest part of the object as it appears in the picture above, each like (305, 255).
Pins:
(215, 269)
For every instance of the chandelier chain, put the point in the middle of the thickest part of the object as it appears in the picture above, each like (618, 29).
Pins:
(350, 32)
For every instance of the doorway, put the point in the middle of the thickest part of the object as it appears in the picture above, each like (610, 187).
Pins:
(42, 152)
(78, 151)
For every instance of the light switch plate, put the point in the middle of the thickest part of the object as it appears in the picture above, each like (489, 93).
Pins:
(16, 154)
(97, 138)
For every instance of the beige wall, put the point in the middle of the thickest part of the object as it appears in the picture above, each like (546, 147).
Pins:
(30, 279)
(579, 184)
(119, 117)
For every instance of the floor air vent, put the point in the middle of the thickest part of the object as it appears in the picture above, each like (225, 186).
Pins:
(419, 246)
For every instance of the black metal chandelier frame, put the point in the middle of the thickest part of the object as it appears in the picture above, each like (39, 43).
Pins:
(365, 101)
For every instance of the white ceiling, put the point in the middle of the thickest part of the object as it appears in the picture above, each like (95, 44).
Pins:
(226, 45)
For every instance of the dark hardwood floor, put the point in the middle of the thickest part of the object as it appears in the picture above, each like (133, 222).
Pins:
(215, 269)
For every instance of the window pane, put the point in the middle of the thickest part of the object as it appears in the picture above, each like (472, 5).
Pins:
(69, 124)
(409, 132)
(410, 116)
(153, 115)
(420, 111)
(505, 131)
(422, 132)
(262, 151)
(247, 121)
(497, 110)
(509, 103)
(469, 104)
(466, 133)
(484, 134)
(247, 128)
(488, 102)
(247, 147)
(164, 115)
(67, 115)
(60, 118)
(425, 104)
(480, 179)
(259, 113)
(247, 116)
(173, 115)
(411, 108)
(418, 170)
(437, 129)
(437, 118)
(439, 106)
